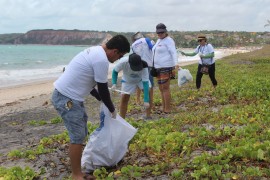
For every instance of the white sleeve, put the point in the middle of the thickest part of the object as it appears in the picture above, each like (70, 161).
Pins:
(172, 50)
(210, 48)
(120, 65)
(101, 71)
(145, 74)
(197, 49)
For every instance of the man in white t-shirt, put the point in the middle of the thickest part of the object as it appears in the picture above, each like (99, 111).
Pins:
(86, 70)
(135, 74)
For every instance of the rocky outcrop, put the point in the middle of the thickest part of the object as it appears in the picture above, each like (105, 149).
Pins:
(63, 37)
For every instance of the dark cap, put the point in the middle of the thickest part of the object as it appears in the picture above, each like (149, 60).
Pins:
(136, 36)
(161, 28)
(136, 63)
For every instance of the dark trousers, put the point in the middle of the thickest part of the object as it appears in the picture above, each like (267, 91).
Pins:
(212, 69)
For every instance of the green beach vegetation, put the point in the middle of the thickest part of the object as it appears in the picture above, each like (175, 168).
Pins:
(221, 133)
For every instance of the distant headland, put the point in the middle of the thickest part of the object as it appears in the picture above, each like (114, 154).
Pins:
(185, 39)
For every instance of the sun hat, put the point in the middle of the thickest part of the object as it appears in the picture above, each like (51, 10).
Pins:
(161, 28)
(201, 37)
(135, 62)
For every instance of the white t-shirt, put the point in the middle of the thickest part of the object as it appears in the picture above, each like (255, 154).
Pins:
(164, 53)
(130, 76)
(141, 48)
(206, 49)
(83, 72)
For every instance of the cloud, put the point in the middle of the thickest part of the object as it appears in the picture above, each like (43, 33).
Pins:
(131, 16)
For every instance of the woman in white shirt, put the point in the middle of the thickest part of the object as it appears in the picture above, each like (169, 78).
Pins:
(206, 53)
(165, 60)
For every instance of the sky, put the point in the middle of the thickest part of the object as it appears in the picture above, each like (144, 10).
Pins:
(20, 16)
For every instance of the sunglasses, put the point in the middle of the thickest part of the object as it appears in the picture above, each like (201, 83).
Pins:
(200, 40)
(160, 32)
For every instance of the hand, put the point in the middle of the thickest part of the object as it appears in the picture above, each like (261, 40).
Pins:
(113, 87)
(200, 54)
(146, 105)
(114, 113)
(182, 53)
(177, 67)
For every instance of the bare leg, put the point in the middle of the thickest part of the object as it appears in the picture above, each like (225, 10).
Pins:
(166, 96)
(138, 96)
(75, 155)
(162, 98)
(124, 105)
(148, 111)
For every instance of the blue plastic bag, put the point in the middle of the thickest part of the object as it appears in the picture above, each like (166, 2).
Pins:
(184, 77)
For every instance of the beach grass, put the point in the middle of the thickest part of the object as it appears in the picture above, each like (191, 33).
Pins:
(213, 133)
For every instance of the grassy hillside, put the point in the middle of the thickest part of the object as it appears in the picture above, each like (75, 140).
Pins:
(221, 133)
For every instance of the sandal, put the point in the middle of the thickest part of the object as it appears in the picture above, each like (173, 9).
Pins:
(165, 113)
(159, 111)
(145, 118)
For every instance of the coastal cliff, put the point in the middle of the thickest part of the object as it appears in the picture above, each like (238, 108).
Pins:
(182, 39)
(63, 37)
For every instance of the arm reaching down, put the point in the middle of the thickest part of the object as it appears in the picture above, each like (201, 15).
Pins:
(95, 94)
(146, 91)
(105, 96)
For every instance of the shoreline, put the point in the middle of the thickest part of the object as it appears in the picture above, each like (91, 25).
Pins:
(20, 92)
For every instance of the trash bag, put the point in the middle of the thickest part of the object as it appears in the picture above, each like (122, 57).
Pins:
(184, 77)
(108, 144)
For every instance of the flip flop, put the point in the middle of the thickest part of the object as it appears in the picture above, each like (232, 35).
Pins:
(165, 113)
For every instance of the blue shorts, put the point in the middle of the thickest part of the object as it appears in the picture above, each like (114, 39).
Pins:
(74, 116)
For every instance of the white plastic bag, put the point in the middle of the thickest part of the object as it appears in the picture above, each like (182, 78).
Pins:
(108, 144)
(184, 77)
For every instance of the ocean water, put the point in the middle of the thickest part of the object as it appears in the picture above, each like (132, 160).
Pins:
(20, 64)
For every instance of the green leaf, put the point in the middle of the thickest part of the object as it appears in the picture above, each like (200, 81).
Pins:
(260, 154)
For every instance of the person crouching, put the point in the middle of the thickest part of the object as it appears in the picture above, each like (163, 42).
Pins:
(135, 74)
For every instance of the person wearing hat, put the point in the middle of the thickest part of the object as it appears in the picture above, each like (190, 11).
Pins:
(135, 74)
(143, 47)
(165, 60)
(206, 54)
